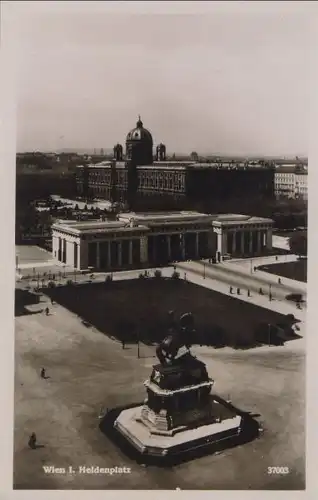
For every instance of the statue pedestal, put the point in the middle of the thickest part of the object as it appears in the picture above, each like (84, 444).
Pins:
(179, 412)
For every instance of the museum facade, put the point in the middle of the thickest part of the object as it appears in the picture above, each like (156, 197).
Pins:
(137, 240)
(143, 171)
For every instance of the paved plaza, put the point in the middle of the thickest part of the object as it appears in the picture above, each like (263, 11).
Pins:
(89, 370)
(31, 255)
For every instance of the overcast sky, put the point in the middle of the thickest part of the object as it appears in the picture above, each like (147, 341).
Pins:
(232, 81)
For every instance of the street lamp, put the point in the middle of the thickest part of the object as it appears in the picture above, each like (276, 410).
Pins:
(251, 266)
(270, 292)
(204, 270)
(138, 345)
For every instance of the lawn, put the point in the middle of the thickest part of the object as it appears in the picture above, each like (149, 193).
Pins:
(293, 270)
(132, 309)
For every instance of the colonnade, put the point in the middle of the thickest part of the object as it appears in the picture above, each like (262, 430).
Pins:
(244, 242)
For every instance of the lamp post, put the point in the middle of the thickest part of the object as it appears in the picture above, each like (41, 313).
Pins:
(138, 345)
(204, 270)
(269, 334)
(251, 266)
(270, 292)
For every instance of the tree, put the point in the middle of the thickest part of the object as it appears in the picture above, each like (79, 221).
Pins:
(298, 243)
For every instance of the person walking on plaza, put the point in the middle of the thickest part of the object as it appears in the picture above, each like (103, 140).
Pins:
(32, 441)
(260, 291)
(47, 311)
(231, 289)
(248, 293)
(279, 281)
(238, 291)
(185, 276)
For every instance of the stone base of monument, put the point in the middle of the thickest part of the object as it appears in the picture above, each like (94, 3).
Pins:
(179, 413)
(147, 439)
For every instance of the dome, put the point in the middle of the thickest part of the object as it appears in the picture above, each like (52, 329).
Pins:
(139, 133)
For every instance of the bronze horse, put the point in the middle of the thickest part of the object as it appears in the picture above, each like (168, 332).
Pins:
(178, 337)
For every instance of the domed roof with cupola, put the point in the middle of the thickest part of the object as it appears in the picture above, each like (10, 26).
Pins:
(139, 133)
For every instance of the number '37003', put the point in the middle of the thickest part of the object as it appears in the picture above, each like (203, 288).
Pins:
(278, 470)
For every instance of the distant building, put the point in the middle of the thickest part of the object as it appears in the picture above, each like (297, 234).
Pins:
(291, 181)
(137, 174)
(151, 239)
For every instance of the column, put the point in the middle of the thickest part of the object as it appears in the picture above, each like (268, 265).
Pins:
(183, 246)
(97, 255)
(169, 246)
(250, 243)
(234, 243)
(197, 245)
(154, 249)
(130, 253)
(120, 263)
(64, 251)
(242, 242)
(224, 243)
(269, 237)
(144, 249)
(79, 255)
(109, 256)
(259, 249)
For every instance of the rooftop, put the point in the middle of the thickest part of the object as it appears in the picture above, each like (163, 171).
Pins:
(133, 221)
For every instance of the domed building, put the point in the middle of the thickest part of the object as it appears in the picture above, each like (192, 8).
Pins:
(139, 145)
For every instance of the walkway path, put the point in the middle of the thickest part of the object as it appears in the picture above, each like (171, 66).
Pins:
(247, 266)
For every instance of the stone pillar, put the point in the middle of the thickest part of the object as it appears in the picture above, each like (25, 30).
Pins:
(97, 255)
(144, 249)
(224, 242)
(250, 243)
(120, 260)
(234, 243)
(154, 248)
(109, 255)
(197, 245)
(64, 251)
(259, 248)
(169, 246)
(130, 253)
(78, 255)
(269, 237)
(83, 257)
(183, 243)
(242, 242)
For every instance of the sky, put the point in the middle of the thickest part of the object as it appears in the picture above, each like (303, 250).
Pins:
(230, 80)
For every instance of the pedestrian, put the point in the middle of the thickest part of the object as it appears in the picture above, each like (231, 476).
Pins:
(52, 301)
(276, 257)
(47, 311)
(238, 291)
(254, 268)
(260, 291)
(123, 344)
(270, 296)
(43, 373)
(248, 293)
(279, 281)
(185, 276)
(231, 289)
(32, 441)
